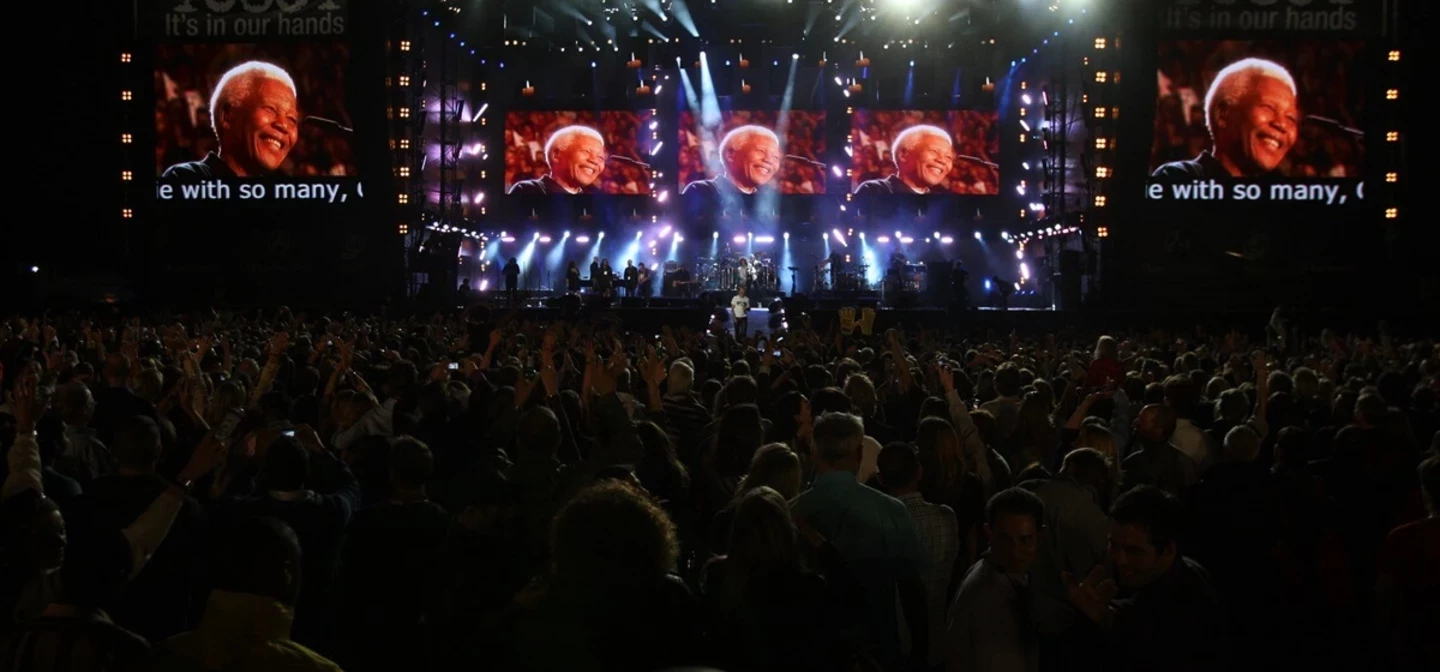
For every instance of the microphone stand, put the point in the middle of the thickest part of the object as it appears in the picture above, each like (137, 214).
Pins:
(329, 124)
(976, 159)
(1335, 124)
(626, 159)
(801, 159)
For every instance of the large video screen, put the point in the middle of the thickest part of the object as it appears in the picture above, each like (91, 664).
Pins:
(752, 151)
(559, 153)
(254, 122)
(924, 152)
(1259, 120)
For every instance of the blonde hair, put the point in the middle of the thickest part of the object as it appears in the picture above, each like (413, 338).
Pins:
(1230, 82)
(239, 82)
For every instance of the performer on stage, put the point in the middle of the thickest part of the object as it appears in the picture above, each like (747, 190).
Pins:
(572, 278)
(680, 282)
(605, 280)
(740, 309)
(646, 290)
(747, 273)
(512, 281)
(595, 274)
(837, 266)
(632, 277)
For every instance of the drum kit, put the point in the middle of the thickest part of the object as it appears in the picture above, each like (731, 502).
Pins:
(838, 276)
(727, 273)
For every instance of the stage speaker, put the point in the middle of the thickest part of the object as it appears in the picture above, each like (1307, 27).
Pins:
(632, 302)
(1067, 291)
(1071, 262)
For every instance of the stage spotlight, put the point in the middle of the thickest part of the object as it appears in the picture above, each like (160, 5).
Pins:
(567, 234)
(980, 237)
(787, 235)
(545, 239)
(582, 239)
(715, 235)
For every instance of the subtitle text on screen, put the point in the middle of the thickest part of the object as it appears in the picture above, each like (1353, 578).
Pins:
(1325, 193)
(220, 190)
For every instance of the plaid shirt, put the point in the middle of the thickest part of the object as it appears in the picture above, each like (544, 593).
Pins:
(941, 536)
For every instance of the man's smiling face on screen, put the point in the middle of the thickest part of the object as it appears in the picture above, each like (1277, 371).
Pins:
(258, 133)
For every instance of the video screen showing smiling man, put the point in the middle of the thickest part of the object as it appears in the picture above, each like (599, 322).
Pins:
(750, 156)
(571, 153)
(575, 156)
(924, 152)
(252, 111)
(254, 115)
(744, 154)
(1253, 116)
(1271, 110)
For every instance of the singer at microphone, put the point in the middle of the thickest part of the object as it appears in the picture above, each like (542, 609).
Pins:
(1253, 116)
(256, 121)
(575, 156)
(751, 158)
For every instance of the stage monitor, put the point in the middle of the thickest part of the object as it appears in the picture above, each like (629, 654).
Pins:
(1259, 121)
(566, 152)
(254, 122)
(924, 152)
(752, 152)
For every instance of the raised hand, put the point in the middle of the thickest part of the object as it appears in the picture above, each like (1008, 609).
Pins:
(1093, 595)
(27, 404)
(947, 377)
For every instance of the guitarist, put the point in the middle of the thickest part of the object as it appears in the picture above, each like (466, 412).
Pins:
(680, 280)
(643, 282)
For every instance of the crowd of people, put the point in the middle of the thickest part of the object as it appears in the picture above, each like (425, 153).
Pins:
(218, 491)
